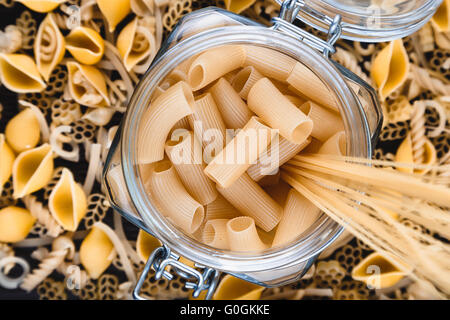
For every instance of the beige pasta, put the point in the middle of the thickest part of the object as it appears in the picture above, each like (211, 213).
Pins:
(335, 145)
(269, 62)
(186, 157)
(277, 111)
(298, 215)
(244, 80)
(279, 192)
(170, 195)
(215, 233)
(220, 208)
(234, 110)
(213, 64)
(240, 153)
(242, 235)
(326, 122)
(251, 200)
(162, 114)
(310, 85)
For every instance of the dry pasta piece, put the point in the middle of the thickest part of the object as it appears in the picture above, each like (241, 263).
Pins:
(237, 6)
(244, 80)
(243, 236)
(41, 5)
(270, 63)
(390, 68)
(215, 233)
(232, 288)
(48, 46)
(292, 123)
(335, 145)
(85, 44)
(279, 192)
(143, 8)
(173, 199)
(96, 252)
(23, 131)
(441, 19)
(298, 215)
(15, 224)
(213, 64)
(145, 244)
(240, 153)
(405, 154)
(186, 157)
(163, 113)
(114, 12)
(220, 208)
(6, 161)
(67, 202)
(19, 73)
(380, 270)
(234, 111)
(256, 203)
(32, 170)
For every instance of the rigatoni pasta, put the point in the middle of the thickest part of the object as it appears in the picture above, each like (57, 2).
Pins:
(243, 236)
(244, 80)
(215, 233)
(220, 208)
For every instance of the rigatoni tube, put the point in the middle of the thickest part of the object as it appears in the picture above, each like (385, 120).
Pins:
(243, 236)
(215, 233)
(220, 208)
(335, 145)
(244, 80)
(326, 121)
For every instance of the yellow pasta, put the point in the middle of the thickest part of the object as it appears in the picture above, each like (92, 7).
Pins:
(256, 203)
(67, 202)
(86, 45)
(405, 154)
(173, 199)
(114, 12)
(19, 73)
(296, 100)
(215, 233)
(213, 64)
(49, 46)
(242, 235)
(146, 244)
(269, 62)
(87, 85)
(237, 6)
(335, 145)
(232, 288)
(143, 8)
(220, 208)
(162, 114)
(186, 157)
(244, 80)
(298, 215)
(240, 153)
(234, 111)
(32, 170)
(292, 123)
(96, 252)
(15, 224)
(441, 19)
(6, 161)
(41, 5)
(390, 68)
(23, 131)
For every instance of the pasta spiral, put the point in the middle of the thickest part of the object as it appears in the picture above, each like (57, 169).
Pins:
(6, 251)
(349, 61)
(42, 215)
(426, 81)
(418, 137)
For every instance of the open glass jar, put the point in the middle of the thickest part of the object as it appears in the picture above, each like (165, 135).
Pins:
(357, 101)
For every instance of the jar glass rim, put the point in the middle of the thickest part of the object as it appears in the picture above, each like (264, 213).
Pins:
(323, 232)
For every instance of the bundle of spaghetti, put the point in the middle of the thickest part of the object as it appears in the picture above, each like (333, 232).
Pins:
(418, 137)
(359, 196)
(42, 215)
(427, 81)
(349, 61)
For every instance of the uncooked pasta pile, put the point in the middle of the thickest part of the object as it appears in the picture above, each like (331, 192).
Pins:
(68, 70)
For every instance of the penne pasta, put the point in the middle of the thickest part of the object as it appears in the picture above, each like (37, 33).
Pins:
(251, 200)
(215, 233)
(335, 145)
(242, 235)
(244, 80)
(213, 64)
(292, 123)
(170, 195)
(186, 157)
(298, 215)
(220, 208)
(240, 153)
(162, 114)
(234, 111)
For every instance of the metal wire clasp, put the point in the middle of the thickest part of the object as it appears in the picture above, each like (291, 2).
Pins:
(163, 260)
(290, 10)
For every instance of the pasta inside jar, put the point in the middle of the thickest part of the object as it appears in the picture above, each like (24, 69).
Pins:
(217, 135)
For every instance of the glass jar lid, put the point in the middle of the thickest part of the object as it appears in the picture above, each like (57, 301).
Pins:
(369, 20)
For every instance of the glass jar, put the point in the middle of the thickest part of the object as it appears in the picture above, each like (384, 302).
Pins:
(357, 101)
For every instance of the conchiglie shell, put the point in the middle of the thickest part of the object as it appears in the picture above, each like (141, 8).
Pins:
(23, 131)
(15, 224)
(20, 74)
(114, 11)
(41, 5)
(32, 170)
(67, 202)
(380, 270)
(99, 116)
(405, 154)
(390, 68)
(441, 19)
(145, 244)
(94, 77)
(6, 161)
(42, 39)
(86, 45)
(237, 6)
(96, 252)
(232, 288)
